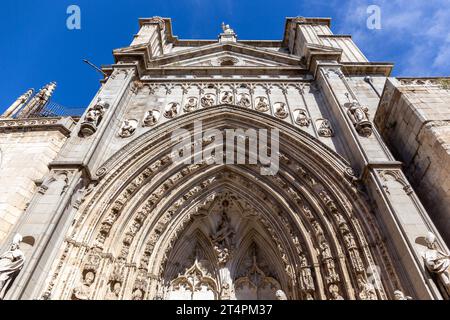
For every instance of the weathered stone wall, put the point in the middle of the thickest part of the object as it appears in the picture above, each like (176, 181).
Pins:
(26, 149)
(414, 120)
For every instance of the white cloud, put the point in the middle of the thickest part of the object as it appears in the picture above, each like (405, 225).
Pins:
(418, 28)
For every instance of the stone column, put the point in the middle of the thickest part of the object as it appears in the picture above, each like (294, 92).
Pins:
(398, 209)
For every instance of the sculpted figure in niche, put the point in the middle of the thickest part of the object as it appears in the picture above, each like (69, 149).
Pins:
(334, 292)
(11, 262)
(171, 110)
(227, 97)
(207, 101)
(137, 295)
(244, 101)
(360, 118)
(302, 118)
(83, 291)
(280, 110)
(262, 104)
(306, 275)
(223, 239)
(437, 262)
(366, 289)
(151, 118)
(114, 290)
(128, 128)
(191, 104)
(93, 117)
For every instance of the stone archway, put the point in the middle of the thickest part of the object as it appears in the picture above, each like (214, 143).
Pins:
(306, 230)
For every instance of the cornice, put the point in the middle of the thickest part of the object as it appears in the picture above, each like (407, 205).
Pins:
(61, 124)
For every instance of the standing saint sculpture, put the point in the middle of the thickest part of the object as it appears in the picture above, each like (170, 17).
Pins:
(437, 262)
(11, 262)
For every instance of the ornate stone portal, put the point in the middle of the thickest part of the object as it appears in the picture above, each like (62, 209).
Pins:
(123, 219)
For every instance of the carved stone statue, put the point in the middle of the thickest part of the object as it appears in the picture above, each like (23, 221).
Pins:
(437, 262)
(227, 97)
(114, 291)
(302, 118)
(223, 239)
(399, 295)
(137, 295)
(83, 291)
(207, 101)
(11, 262)
(226, 28)
(151, 118)
(366, 289)
(244, 101)
(191, 104)
(261, 104)
(128, 128)
(334, 292)
(171, 110)
(93, 117)
(325, 129)
(280, 110)
(360, 118)
(280, 295)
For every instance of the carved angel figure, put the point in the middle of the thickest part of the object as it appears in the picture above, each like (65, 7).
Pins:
(437, 262)
(11, 262)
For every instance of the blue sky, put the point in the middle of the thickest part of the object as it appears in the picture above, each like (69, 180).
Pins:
(37, 48)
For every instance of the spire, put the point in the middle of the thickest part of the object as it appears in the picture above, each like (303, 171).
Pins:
(15, 107)
(39, 101)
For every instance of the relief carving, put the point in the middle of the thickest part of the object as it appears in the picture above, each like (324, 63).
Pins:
(128, 128)
(261, 104)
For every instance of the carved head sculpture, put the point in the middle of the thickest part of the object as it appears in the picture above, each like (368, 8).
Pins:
(116, 288)
(431, 240)
(16, 242)
(89, 278)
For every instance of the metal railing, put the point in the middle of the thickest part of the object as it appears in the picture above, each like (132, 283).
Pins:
(53, 109)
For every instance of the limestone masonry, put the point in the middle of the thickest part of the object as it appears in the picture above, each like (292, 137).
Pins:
(97, 207)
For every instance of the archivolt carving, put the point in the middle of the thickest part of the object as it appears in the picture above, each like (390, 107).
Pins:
(308, 215)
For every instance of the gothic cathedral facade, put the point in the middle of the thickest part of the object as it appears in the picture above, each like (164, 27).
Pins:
(104, 209)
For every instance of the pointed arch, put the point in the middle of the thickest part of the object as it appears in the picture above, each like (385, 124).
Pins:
(310, 217)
